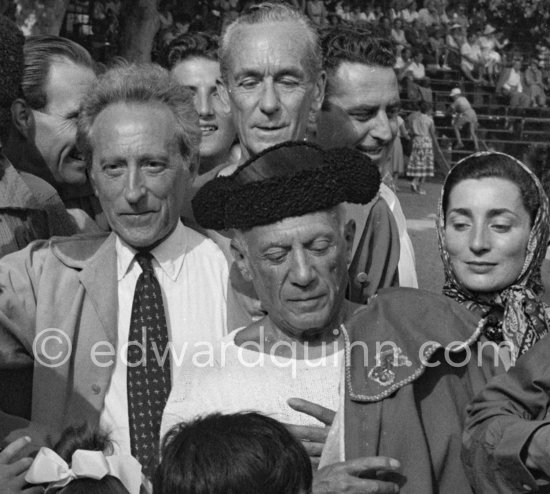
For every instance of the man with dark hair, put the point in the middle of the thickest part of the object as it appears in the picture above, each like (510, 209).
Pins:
(57, 74)
(193, 62)
(118, 308)
(30, 209)
(360, 111)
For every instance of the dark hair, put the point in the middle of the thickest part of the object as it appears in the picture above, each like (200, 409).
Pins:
(243, 453)
(191, 45)
(348, 44)
(84, 437)
(424, 106)
(11, 71)
(40, 53)
(494, 165)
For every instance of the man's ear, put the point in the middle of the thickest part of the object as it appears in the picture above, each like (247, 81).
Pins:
(349, 236)
(23, 118)
(223, 93)
(91, 178)
(319, 92)
(240, 254)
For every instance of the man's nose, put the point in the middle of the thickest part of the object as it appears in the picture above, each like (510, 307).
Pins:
(382, 130)
(269, 98)
(135, 186)
(302, 272)
(203, 104)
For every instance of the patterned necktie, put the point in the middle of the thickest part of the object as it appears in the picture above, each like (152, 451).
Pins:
(148, 372)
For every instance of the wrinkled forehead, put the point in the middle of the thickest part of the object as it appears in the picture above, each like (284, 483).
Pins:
(297, 230)
(267, 47)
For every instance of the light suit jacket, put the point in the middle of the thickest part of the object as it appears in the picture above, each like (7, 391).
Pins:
(65, 290)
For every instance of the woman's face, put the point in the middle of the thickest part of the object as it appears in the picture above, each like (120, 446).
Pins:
(486, 229)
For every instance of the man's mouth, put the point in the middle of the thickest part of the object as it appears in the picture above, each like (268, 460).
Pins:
(75, 154)
(269, 128)
(373, 150)
(208, 129)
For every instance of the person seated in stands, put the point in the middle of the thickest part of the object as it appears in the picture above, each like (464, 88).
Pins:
(461, 18)
(453, 41)
(417, 35)
(402, 60)
(398, 35)
(410, 13)
(470, 58)
(439, 49)
(429, 15)
(417, 84)
(463, 114)
(511, 84)
(534, 84)
(83, 461)
(490, 57)
(415, 68)
(384, 26)
(193, 62)
(244, 453)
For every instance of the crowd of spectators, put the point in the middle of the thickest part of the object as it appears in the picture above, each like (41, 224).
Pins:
(430, 36)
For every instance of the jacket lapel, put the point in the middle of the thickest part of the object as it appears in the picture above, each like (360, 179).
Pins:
(100, 282)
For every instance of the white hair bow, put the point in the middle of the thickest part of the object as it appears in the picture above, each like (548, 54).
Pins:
(49, 467)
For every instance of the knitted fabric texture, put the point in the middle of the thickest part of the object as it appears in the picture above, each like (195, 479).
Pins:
(290, 179)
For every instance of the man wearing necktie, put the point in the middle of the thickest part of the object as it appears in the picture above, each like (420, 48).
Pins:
(107, 319)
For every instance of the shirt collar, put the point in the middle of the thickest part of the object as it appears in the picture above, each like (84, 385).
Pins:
(169, 254)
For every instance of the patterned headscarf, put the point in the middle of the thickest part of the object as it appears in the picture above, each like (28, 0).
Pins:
(515, 314)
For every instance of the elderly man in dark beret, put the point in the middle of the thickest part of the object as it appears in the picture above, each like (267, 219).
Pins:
(292, 241)
(399, 371)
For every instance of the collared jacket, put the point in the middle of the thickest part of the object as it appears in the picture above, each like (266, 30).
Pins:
(408, 399)
(501, 421)
(61, 289)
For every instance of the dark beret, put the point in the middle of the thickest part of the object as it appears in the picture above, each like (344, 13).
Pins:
(290, 179)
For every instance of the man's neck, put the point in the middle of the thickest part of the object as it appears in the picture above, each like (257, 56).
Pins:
(267, 337)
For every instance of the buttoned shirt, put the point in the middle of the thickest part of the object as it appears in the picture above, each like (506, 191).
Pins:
(193, 276)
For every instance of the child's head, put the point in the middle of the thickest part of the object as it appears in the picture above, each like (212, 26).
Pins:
(85, 438)
(242, 453)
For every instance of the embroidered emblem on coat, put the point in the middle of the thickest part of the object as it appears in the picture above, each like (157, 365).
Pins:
(386, 361)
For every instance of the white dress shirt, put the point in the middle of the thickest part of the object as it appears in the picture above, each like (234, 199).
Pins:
(193, 276)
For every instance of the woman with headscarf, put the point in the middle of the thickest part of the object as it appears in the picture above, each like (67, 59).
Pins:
(493, 228)
(433, 353)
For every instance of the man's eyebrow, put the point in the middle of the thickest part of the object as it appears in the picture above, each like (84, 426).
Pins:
(281, 72)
